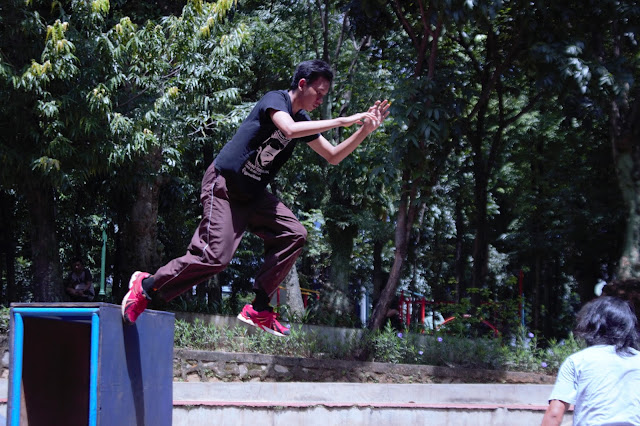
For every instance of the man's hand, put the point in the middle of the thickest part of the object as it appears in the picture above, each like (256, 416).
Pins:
(371, 119)
(359, 118)
(380, 111)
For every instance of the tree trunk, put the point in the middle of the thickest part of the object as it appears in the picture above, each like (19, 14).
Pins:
(47, 272)
(8, 247)
(626, 147)
(12, 291)
(460, 257)
(406, 215)
(624, 133)
(379, 276)
(537, 172)
(537, 290)
(424, 37)
(481, 177)
(119, 286)
(341, 241)
(294, 297)
(144, 214)
(201, 294)
(214, 293)
(142, 229)
(481, 240)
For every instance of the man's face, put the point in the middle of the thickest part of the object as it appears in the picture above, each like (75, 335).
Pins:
(77, 267)
(313, 93)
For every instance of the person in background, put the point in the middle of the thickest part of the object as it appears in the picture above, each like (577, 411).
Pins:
(79, 283)
(603, 380)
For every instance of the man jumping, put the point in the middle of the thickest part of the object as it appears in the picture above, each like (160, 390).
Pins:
(235, 199)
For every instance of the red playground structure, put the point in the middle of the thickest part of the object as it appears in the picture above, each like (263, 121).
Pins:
(409, 302)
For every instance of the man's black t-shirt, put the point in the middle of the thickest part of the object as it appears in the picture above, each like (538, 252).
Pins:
(258, 150)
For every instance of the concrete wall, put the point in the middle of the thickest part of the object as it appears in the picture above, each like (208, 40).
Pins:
(352, 404)
(206, 366)
(354, 416)
(310, 404)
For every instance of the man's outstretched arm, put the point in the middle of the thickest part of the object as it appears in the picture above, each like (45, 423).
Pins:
(335, 154)
(298, 129)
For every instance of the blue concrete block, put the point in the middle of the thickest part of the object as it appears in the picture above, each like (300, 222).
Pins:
(77, 363)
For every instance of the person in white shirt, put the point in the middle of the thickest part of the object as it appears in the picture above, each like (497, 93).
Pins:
(603, 380)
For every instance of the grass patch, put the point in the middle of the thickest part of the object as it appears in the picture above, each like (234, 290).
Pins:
(519, 353)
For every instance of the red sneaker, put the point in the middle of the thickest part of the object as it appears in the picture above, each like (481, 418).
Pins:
(246, 314)
(264, 320)
(135, 301)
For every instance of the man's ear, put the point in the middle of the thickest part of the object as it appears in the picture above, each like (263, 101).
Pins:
(302, 83)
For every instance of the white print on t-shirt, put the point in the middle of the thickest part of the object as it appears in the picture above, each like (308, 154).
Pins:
(264, 156)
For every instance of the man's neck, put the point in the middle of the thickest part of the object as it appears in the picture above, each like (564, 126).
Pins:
(293, 95)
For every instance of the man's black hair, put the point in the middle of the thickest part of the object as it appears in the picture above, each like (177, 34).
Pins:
(608, 320)
(310, 71)
(76, 259)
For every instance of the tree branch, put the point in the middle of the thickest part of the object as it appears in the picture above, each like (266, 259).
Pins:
(434, 50)
(469, 52)
(405, 24)
(488, 88)
(343, 31)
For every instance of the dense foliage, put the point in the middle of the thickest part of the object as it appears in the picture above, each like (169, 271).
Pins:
(495, 164)
(522, 353)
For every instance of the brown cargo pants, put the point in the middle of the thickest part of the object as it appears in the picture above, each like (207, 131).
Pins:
(224, 221)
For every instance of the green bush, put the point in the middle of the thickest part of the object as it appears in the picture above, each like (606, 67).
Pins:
(557, 352)
(524, 353)
(4, 320)
(196, 335)
(520, 353)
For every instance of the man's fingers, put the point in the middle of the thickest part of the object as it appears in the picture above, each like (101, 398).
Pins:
(376, 113)
(381, 108)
